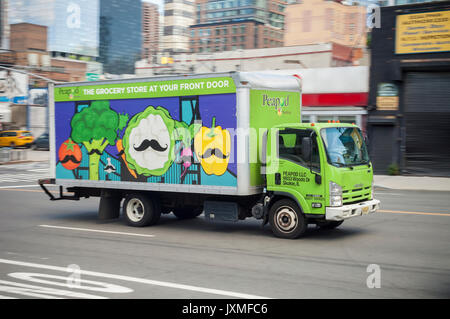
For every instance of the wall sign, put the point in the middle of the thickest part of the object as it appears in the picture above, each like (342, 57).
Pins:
(387, 97)
(423, 32)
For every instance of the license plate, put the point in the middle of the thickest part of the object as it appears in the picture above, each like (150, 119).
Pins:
(365, 210)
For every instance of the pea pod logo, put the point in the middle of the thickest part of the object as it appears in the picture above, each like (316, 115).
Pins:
(68, 92)
(278, 103)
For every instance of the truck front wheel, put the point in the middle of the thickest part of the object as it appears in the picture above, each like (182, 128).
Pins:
(286, 219)
(140, 210)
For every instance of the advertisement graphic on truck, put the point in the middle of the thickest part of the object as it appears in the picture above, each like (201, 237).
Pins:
(152, 140)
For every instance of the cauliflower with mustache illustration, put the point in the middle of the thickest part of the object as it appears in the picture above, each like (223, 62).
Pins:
(149, 141)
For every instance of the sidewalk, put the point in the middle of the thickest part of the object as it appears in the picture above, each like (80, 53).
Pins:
(28, 155)
(412, 182)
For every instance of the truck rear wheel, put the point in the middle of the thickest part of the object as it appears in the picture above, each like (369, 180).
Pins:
(140, 210)
(286, 219)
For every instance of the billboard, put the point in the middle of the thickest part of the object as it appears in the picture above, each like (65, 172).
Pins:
(73, 26)
(13, 87)
(423, 32)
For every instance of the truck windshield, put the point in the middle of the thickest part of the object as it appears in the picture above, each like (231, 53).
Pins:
(345, 146)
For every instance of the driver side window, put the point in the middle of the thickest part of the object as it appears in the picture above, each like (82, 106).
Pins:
(290, 148)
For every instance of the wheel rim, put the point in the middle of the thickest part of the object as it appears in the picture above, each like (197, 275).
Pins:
(286, 219)
(135, 210)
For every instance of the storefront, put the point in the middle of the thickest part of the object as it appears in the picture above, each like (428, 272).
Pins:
(409, 102)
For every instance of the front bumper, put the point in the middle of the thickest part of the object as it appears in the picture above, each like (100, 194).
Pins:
(348, 211)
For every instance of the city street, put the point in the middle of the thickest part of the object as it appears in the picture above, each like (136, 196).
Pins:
(44, 246)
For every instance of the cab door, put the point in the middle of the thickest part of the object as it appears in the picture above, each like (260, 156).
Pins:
(296, 173)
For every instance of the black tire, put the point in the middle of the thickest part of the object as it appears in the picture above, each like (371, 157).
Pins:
(141, 210)
(287, 220)
(12, 145)
(330, 224)
(187, 212)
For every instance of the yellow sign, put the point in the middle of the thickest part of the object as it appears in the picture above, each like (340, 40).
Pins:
(387, 103)
(166, 60)
(423, 32)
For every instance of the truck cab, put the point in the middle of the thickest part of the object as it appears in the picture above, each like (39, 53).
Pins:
(317, 173)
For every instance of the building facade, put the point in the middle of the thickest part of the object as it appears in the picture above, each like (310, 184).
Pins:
(28, 49)
(223, 25)
(323, 55)
(178, 16)
(150, 31)
(410, 90)
(72, 25)
(120, 35)
(4, 26)
(321, 21)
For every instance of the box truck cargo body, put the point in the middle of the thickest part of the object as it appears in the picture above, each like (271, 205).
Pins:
(214, 143)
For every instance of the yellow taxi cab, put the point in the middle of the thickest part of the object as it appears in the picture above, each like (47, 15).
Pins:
(16, 138)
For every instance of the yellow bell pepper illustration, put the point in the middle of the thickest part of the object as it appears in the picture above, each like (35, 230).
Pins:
(212, 147)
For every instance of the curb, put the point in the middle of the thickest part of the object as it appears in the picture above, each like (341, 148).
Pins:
(375, 186)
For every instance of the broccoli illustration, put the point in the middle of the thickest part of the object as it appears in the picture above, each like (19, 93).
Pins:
(95, 127)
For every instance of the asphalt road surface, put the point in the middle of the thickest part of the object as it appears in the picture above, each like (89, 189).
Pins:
(60, 250)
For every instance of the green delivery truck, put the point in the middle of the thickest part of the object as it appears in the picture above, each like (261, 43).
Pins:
(228, 145)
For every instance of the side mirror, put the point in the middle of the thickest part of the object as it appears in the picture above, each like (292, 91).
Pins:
(306, 148)
(366, 140)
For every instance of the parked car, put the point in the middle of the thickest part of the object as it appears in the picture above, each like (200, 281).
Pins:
(41, 142)
(16, 138)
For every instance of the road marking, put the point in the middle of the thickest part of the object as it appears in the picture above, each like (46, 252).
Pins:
(81, 283)
(411, 213)
(96, 231)
(138, 280)
(18, 186)
(42, 292)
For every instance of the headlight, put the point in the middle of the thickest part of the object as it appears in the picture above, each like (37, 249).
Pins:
(335, 195)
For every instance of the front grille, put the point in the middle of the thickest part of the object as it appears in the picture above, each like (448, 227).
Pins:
(356, 195)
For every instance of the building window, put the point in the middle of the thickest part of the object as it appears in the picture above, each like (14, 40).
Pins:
(307, 21)
(329, 14)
